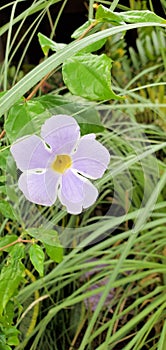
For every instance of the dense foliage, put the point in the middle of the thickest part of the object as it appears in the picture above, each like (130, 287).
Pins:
(96, 280)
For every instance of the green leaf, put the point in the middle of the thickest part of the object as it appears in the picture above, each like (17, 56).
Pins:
(2, 178)
(3, 189)
(89, 76)
(4, 346)
(87, 117)
(7, 240)
(7, 319)
(48, 44)
(55, 253)
(25, 118)
(13, 338)
(37, 258)
(10, 278)
(49, 237)
(103, 14)
(141, 17)
(94, 47)
(17, 251)
(2, 337)
(3, 158)
(50, 240)
(53, 103)
(11, 332)
(78, 32)
(6, 210)
(52, 62)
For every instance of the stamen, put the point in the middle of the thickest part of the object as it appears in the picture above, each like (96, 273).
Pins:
(61, 163)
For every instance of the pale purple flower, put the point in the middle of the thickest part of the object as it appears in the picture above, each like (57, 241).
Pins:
(93, 300)
(57, 164)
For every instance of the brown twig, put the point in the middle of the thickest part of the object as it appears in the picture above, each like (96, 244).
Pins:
(2, 134)
(19, 240)
(92, 25)
(37, 87)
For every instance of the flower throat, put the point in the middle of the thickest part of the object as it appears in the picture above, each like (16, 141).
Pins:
(61, 163)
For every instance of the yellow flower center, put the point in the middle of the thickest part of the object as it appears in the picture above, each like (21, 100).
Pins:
(61, 163)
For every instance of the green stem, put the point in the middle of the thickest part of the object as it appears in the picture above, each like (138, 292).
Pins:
(5, 81)
(140, 221)
(90, 15)
(35, 75)
(114, 5)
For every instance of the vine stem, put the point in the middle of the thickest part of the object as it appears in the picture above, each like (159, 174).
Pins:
(93, 24)
(19, 240)
(2, 134)
(37, 87)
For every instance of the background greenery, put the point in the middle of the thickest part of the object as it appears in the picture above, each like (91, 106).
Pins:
(97, 280)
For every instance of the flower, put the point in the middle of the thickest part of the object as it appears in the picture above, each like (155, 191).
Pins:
(57, 164)
(92, 301)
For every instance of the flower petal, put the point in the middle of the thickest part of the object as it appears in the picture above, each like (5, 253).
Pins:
(72, 208)
(90, 194)
(61, 132)
(72, 187)
(91, 136)
(91, 158)
(77, 193)
(30, 152)
(40, 188)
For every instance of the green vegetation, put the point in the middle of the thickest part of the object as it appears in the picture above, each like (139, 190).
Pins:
(97, 280)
